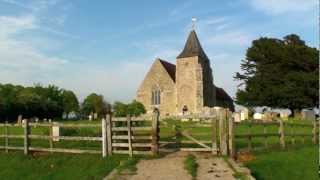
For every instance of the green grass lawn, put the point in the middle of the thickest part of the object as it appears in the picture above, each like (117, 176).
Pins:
(293, 164)
(15, 165)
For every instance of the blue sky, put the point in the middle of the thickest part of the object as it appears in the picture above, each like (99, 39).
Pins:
(107, 47)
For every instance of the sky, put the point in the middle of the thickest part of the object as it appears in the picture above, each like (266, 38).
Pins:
(107, 47)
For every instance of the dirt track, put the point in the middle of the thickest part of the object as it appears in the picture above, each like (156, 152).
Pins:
(171, 167)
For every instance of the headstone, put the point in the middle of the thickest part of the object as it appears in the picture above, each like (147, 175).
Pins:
(95, 115)
(308, 115)
(55, 132)
(244, 114)
(237, 117)
(50, 120)
(267, 116)
(184, 119)
(284, 115)
(195, 119)
(23, 121)
(19, 119)
(45, 120)
(258, 116)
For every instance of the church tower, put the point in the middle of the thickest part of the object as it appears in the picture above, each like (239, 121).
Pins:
(194, 81)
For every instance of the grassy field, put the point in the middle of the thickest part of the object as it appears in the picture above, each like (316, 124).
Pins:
(15, 165)
(293, 164)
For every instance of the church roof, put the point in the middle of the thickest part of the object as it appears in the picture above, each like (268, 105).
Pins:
(170, 68)
(192, 47)
(222, 95)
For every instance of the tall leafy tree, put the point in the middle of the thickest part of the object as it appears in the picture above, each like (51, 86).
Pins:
(95, 103)
(70, 102)
(279, 74)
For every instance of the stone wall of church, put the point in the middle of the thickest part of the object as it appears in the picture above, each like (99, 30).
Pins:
(189, 84)
(158, 78)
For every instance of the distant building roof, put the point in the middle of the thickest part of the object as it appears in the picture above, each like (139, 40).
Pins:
(192, 47)
(170, 68)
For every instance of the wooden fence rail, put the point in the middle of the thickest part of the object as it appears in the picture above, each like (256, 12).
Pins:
(111, 138)
(281, 134)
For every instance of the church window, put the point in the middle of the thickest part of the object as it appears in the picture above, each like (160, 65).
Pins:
(155, 98)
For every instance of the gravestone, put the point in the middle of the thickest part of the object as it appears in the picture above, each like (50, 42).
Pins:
(237, 117)
(284, 115)
(258, 116)
(308, 115)
(19, 119)
(244, 114)
(55, 132)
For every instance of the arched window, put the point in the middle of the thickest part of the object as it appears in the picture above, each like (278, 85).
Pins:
(155, 98)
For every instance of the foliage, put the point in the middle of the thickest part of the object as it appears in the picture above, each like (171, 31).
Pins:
(279, 74)
(36, 101)
(70, 102)
(95, 103)
(134, 108)
(191, 165)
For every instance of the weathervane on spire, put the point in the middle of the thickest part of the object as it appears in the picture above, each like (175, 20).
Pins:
(194, 20)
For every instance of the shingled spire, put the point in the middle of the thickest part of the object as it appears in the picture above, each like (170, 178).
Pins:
(192, 47)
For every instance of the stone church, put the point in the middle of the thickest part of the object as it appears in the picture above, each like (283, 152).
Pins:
(184, 88)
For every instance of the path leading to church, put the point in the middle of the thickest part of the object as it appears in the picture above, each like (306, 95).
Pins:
(171, 167)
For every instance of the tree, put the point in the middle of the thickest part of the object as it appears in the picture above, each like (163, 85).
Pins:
(95, 103)
(136, 108)
(70, 102)
(279, 74)
(120, 109)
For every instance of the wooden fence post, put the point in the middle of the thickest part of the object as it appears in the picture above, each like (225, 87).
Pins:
(109, 133)
(129, 135)
(232, 147)
(265, 131)
(104, 137)
(26, 140)
(214, 135)
(6, 136)
(155, 131)
(293, 141)
(281, 131)
(314, 131)
(51, 136)
(249, 137)
(223, 133)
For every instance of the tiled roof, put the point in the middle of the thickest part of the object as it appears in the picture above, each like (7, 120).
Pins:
(170, 68)
(192, 47)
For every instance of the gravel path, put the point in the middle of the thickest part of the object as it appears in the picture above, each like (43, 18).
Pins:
(213, 168)
(171, 167)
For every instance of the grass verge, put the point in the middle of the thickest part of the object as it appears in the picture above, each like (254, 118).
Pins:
(15, 165)
(191, 165)
(293, 164)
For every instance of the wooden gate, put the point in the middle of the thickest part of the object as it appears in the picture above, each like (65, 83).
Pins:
(132, 135)
(212, 134)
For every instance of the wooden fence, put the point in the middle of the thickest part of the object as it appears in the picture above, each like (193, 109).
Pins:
(118, 135)
(282, 134)
(27, 136)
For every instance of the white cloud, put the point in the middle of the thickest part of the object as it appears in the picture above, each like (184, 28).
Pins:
(275, 7)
